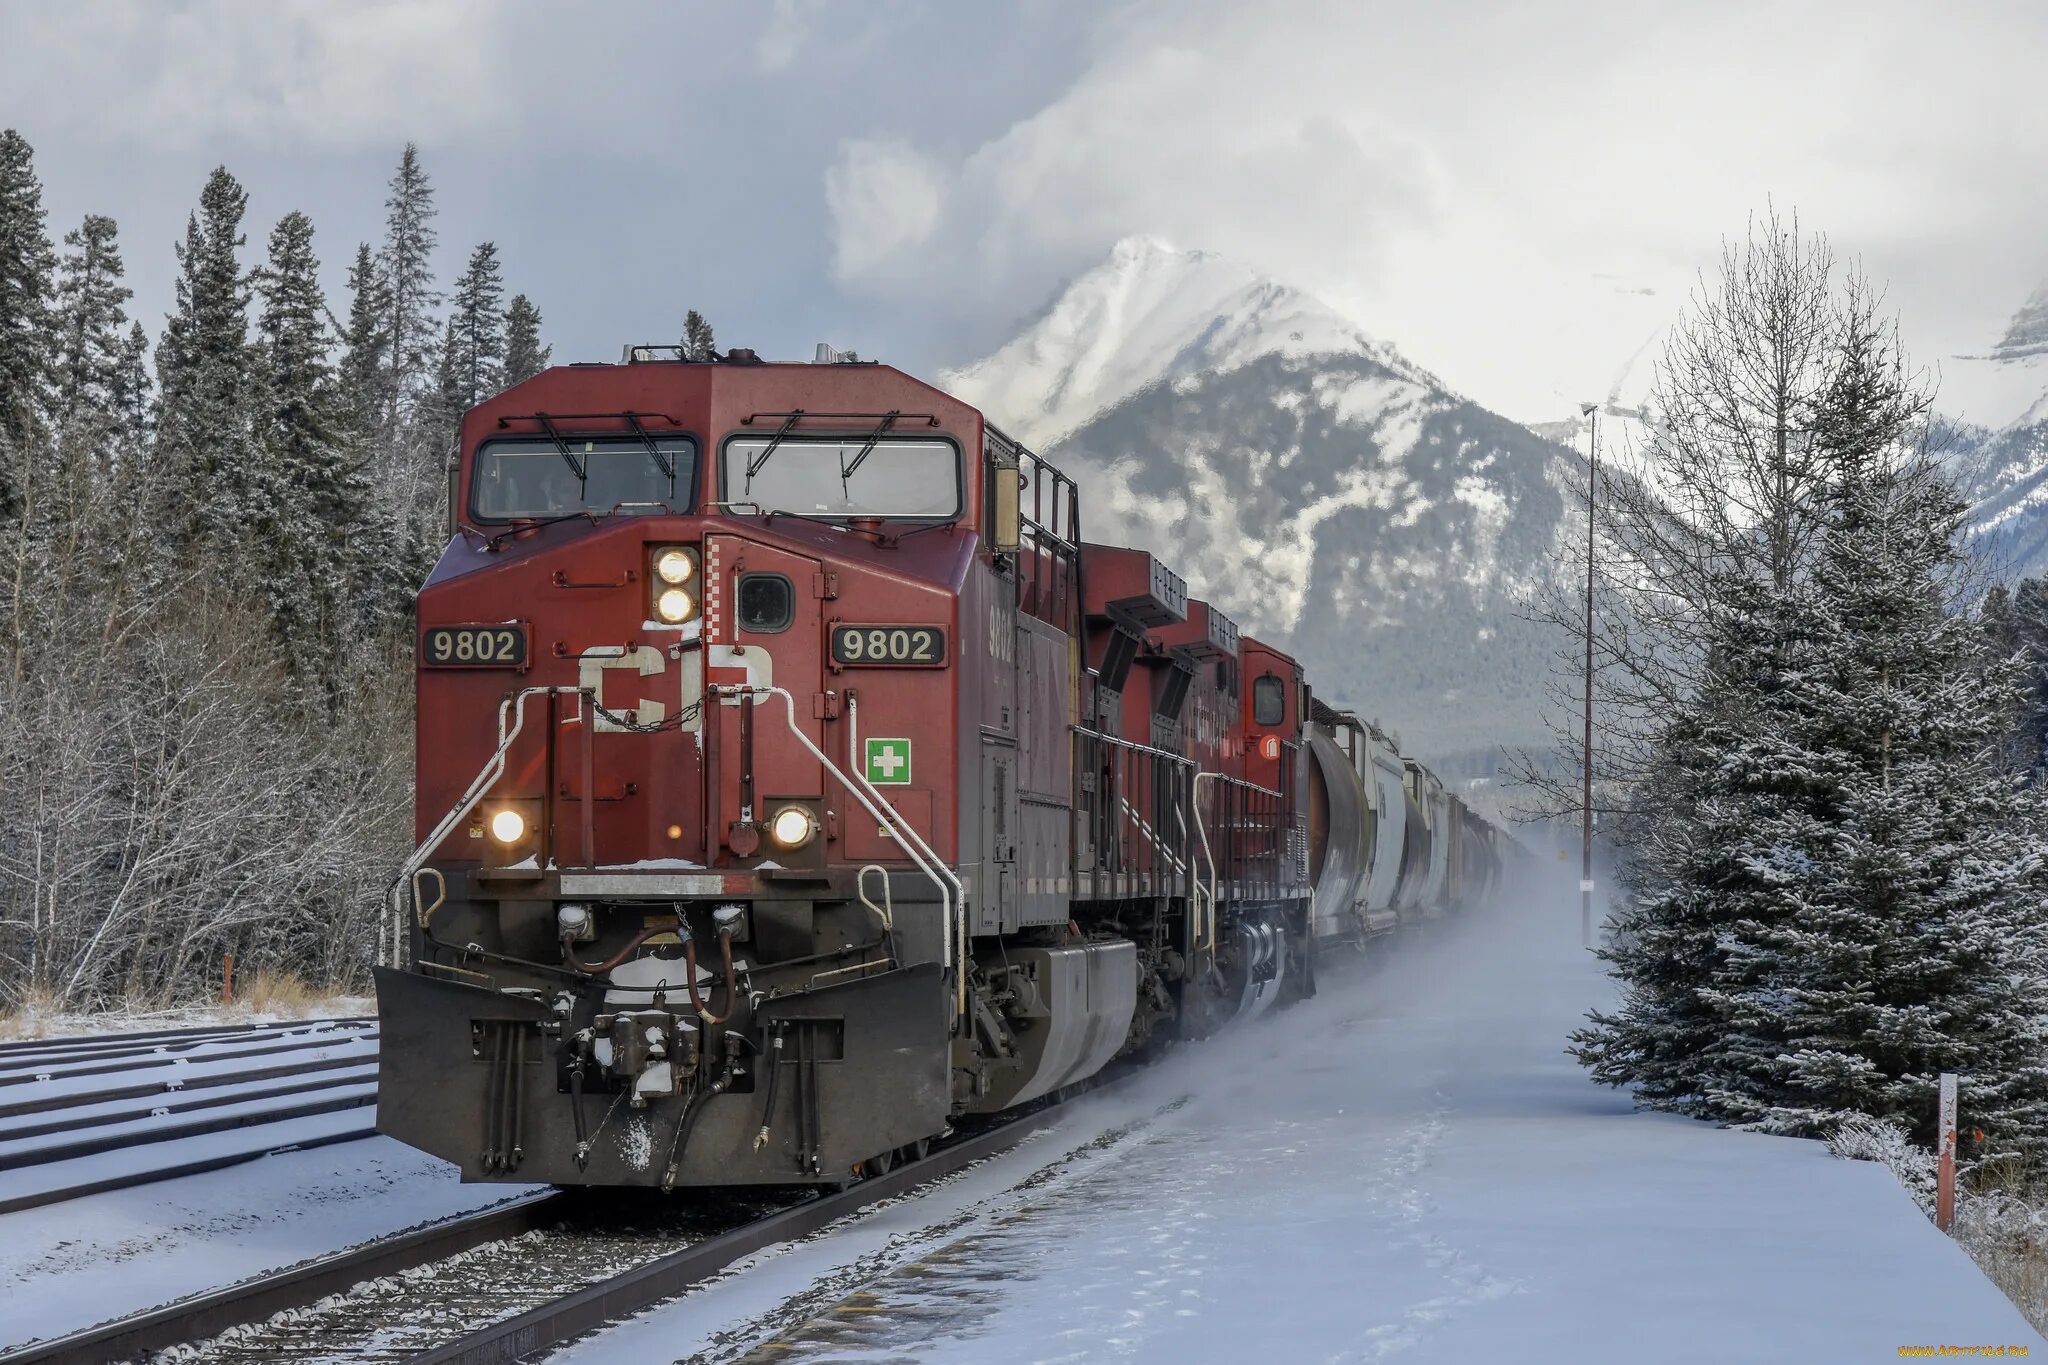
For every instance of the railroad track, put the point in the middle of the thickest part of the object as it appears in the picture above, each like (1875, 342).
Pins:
(508, 1283)
(82, 1116)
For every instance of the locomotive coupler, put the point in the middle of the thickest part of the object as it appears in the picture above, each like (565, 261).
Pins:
(649, 1050)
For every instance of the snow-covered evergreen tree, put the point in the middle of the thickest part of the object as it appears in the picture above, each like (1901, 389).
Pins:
(451, 385)
(91, 315)
(365, 343)
(406, 267)
(309, 552)
(218, 484)
(1841, 892)
(1917, 941)
(2030, 642)
(477, 330)
(525, 357)
(1704, 878)
(27, 267)
(130, 397)
(410, 445)
(698, 343)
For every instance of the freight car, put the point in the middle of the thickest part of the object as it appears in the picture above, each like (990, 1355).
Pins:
(794, 780)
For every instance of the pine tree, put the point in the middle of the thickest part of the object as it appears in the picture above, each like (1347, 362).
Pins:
(90, 316)
(450, 376)
(27, 265)
(411, 442)
(215, 476)
(130, 396)
(476, 331)
(408, 283)
(366, 344)
(1704, 882)
(525, 357)
(2030, 631)
(1998, 635)
(1841, 893)
(698, 343)
(1916, 944)
(308, 547)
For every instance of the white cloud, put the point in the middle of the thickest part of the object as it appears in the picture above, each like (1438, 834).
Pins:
(327, 76)
(885, 198)
(1519, 196)
(785, 34)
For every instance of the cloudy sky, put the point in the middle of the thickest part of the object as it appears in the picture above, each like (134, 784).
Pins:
(1519, 196)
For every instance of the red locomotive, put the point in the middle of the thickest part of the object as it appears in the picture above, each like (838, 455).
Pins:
(793, 780)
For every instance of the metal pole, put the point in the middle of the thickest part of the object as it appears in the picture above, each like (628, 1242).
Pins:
(1586, 774)
(1945, 1165)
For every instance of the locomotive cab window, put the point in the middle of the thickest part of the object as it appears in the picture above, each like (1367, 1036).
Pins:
(533, 477)
(839, 478)
(765, 603)
(1269, 701)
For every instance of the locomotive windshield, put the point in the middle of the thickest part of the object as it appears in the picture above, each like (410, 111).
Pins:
(539, 477)
(838, 478)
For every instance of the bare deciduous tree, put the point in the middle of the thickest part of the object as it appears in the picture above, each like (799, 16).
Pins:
(1722, 488)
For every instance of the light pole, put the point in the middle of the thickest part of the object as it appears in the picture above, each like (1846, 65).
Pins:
(1592, 412)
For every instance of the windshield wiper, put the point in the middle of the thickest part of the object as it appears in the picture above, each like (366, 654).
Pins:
(661, 458)
(838, 521)
(535, 523)
(761, 457)
(576, 466)
(846, 471)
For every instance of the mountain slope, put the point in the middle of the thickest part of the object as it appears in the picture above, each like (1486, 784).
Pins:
(2027, 333)
(1329, 495)
(1148, 313)
(2004, 471)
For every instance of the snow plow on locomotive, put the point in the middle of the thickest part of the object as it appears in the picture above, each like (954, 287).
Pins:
(793, 780)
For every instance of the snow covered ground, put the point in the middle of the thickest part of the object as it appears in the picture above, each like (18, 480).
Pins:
(73, 1264)
(1407, 1167)
(91, 1257)
(37, 1024)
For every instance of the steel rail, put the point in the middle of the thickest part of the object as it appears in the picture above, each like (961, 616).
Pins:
(153, 1061)
(165, 1105)
(177, 1085)
(585, 1310)
(118, 1043)
(172, 1130)
(210, 1314)
(128, 1180)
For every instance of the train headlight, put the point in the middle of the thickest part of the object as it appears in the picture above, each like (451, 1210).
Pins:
(669, 569)
(508, 826)
(675, 566)
(793, 827)
(675, 606)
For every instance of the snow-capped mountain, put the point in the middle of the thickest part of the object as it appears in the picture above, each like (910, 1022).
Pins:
(1331, 496)
(1149, 313)
(2004, 470)
(2027, 334)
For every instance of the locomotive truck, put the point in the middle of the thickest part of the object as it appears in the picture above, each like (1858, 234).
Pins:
(794, 781)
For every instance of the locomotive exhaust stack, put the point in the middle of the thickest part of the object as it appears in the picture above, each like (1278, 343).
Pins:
(794, 779)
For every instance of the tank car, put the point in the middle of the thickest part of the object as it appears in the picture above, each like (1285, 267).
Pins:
(794, 781)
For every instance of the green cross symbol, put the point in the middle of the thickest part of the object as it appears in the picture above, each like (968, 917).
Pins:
(888, 761)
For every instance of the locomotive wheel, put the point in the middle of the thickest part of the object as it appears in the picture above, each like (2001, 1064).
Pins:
(915, 1151)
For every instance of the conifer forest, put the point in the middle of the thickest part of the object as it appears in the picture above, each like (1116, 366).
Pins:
(211, 531)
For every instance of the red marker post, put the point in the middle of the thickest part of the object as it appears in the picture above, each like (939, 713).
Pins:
(1945, 1146)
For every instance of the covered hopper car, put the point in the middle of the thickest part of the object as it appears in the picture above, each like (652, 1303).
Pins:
(794, 779)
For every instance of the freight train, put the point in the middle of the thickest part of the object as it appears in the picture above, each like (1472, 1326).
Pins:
(795, 781)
